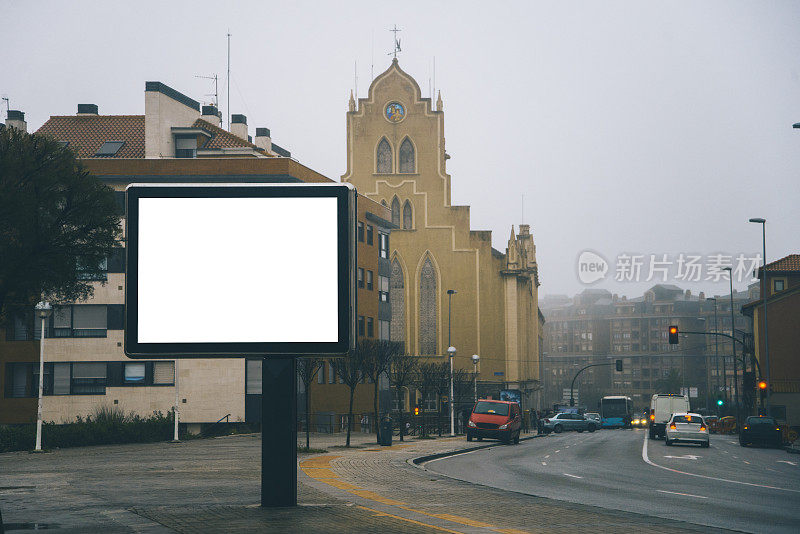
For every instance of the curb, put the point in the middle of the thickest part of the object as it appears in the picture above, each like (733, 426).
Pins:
(422, 459)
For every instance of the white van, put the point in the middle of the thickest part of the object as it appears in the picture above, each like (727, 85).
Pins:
(662, 406)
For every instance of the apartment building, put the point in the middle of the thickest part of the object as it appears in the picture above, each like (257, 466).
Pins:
(176, 141)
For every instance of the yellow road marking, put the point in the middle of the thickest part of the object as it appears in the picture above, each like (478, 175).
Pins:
(319, 472)
(340, 484)
(384, 514)
(375, 497)
(453, 518)
(511, 531)
(319, 461)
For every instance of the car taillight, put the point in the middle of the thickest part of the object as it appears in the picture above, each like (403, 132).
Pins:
(745, 428)
(672, 426)
(702, 428)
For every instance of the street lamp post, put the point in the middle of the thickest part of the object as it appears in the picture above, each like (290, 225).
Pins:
(43, 309)
(177, 400)
(733, 347)
(475, 360)
(763, 223)
(451, 351)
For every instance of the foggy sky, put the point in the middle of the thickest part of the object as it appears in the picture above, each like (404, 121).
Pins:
(636, 127)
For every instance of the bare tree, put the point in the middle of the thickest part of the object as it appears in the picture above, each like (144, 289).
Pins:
(463, 389)
(307, 369)
(378, 356)
(401, 374)
(350, 369)
(434, 379)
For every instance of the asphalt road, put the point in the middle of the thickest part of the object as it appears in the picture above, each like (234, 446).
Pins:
(726, 486)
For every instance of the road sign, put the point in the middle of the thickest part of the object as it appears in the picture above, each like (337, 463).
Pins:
(693, 393)
(221, 270)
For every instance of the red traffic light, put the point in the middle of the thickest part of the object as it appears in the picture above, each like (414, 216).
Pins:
(416, 410)
(673, 329)
(673, 335)
(762, 384)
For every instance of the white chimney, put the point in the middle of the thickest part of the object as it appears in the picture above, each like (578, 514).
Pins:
(16, 119)
(239, 126)
(212, 116)
(263, 140)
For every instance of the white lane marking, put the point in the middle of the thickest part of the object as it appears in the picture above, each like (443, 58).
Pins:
(567, 447)
(685, 457)
(547, 456)
(684, 494)
(544, 463)
(649, 462)
(558, 450)
(745, 461)
(787, 462)
(726, 452)
(771, 469)
(573, 476)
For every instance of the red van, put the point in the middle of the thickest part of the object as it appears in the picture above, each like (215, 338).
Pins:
(495, 419)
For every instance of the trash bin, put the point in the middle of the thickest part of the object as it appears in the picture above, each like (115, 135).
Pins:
(386, 431)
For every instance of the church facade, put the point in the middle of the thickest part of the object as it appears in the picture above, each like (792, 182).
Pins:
(396, 156)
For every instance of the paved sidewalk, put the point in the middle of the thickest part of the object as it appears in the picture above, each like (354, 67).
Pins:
(213, 486)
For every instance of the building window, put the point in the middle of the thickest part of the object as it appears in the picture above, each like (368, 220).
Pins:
(407, 216)
(398, 400)
(360, 325)
(370, 233)
(384, 245)
(361, 277)
(164, 373)
(398, 305)
(396, 212)
(406, 156)
(384, 157)
(331, 373)
(427, 309)
(383, 288)
(134, 373)
(253, 379)
(360, 232)
(369, 280)
(430, 403)
(321, 373)
(99, 272)
(383, 330)
(370, 327)
(778, 285)
(185, 147)
(90, 378)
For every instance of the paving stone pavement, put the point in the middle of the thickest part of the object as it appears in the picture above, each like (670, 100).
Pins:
(213, 485)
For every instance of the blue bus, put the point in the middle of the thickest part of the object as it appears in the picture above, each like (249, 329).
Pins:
(616, 412)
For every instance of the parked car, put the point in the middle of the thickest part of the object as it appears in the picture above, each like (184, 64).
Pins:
(495, 419)
(713, 423)
(593, 416)
(687, 427)
(760, 429)
(569, 421)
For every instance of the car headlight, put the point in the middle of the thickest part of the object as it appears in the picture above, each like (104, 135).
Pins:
(471, 424)
(503, 427)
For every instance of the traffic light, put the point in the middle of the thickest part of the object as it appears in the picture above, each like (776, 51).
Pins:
(673, 335)
(416, 410)
(720, 402)
(619, 365)
(762, 388)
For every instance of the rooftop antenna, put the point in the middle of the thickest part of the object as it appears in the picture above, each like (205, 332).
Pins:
(434, 76)
(372, 59)
(523, 209)
(229, 79)
(8, 105)
(216, 90)
(396, 42)
(355, 77)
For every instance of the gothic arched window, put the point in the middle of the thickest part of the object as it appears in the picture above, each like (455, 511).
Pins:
(397, 300)
(384, 157)
(396, 212)
(383, 203)
(427, 309)
(406, 157)
(408, 219)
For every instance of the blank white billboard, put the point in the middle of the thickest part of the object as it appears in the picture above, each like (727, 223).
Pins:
(232, 274)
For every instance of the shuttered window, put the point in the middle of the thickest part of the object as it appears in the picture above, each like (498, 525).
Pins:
(89, 378)
(253, 377)
(89, 320)
(164, 373)
(62, 321)
(61, 378)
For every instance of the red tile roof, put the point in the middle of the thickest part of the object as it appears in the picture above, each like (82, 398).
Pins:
(87, 133)
(790, 263)
(221, 138)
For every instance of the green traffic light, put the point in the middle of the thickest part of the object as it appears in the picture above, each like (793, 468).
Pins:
(720, 402)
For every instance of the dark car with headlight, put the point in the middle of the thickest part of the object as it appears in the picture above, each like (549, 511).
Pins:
(495, 419)
(761, 430)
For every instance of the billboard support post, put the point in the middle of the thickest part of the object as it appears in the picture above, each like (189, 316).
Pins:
(279, 431)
